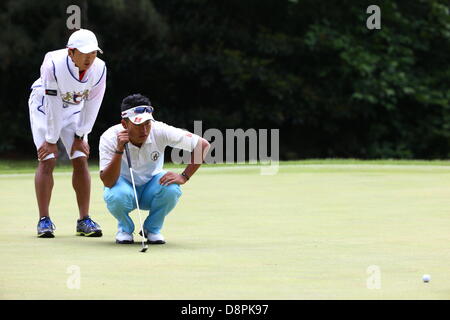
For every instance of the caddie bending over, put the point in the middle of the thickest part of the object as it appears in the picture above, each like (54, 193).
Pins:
(64, 104)
(157, 190)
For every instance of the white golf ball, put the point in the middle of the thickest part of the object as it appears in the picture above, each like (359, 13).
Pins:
(426, 278)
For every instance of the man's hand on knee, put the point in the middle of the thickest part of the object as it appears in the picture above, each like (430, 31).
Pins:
(80, 145)
(47, 149)
(172, 177)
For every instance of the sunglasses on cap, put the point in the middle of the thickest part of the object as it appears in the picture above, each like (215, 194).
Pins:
(137, 110)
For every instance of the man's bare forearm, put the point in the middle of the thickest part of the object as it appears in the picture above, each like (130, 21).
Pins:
(111, 173)
(197, 157)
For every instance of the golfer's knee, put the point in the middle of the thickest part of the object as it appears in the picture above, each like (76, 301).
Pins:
(171, 192)
(118, 197)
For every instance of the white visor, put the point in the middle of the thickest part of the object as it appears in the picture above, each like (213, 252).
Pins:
(138, 114)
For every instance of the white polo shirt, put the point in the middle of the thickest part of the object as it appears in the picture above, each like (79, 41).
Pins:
(148, 160)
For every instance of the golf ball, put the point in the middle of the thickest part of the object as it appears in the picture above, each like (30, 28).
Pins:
(426, 278)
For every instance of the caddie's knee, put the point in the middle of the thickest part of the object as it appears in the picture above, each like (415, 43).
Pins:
(80, 164)
(47, 166)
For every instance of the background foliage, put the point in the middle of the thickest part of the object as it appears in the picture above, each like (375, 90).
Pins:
(310, 68)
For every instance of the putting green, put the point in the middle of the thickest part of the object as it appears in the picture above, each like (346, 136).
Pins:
(325, 231)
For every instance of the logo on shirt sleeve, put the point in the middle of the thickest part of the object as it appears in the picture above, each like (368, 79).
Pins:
(50, 92)
(155, 155)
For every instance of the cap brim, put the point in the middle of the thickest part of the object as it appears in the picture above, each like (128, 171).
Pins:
(89, 49)
(141, 118)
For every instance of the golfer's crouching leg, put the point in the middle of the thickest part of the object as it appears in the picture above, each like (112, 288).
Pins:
(119, 199)
(169, 195)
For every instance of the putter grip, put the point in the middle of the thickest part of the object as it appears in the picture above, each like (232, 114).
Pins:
(127, 152)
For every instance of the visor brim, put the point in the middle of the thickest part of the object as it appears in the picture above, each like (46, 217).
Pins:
(141, 118)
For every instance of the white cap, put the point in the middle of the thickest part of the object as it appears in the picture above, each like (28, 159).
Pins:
(83, 40)
(138, 114)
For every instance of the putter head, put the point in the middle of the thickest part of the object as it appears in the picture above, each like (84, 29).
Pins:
(144, 248)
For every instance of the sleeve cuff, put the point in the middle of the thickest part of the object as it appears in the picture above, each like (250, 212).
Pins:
(52, 141)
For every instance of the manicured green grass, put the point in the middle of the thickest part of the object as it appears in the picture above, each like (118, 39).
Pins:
(310, 231)
(28, 166)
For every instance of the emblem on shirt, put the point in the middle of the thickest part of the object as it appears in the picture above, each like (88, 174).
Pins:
(154, 155)
(75, 97)
(50, 92)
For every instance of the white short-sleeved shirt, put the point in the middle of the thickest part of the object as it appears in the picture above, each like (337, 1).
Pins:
(148, 160)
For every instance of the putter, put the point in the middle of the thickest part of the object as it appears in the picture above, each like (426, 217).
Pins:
(144, 245)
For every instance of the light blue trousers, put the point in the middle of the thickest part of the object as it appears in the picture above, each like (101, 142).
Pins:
(158, 199)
